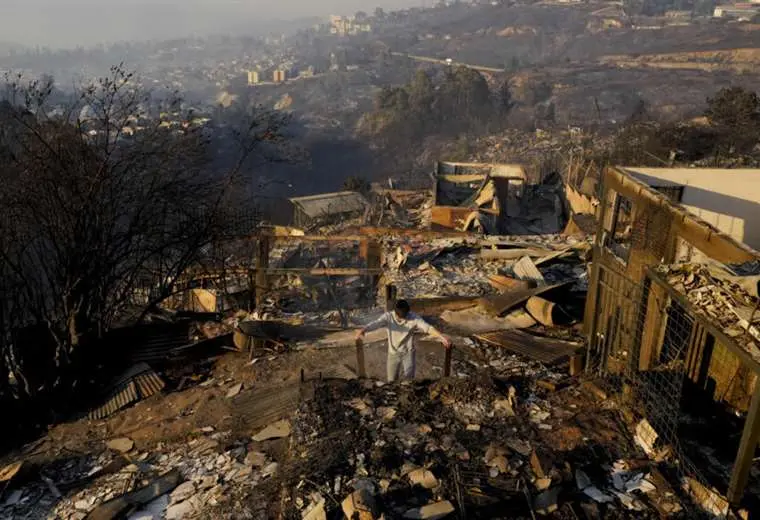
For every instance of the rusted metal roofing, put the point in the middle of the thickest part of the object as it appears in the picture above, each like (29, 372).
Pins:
(325, 204)
(136, 384)
(538, 348)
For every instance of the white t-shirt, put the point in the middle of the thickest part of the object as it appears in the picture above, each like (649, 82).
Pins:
(400, 332)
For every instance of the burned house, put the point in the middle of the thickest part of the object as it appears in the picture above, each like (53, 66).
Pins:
(728, 199)
(327, 208)
(467, 195)
(497, 199)
(672, 327)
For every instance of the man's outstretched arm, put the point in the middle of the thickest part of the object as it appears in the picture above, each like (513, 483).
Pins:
(427, 328)
(382, 321)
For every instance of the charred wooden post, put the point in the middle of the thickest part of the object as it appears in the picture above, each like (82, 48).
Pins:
(360, 369)
(391, 294)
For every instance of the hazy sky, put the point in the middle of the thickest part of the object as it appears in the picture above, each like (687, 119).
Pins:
(85, 22)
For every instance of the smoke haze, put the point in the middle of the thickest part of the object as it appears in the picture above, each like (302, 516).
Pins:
(70, 23)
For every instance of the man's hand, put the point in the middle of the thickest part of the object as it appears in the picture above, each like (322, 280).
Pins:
(359, 334)
(446, 342)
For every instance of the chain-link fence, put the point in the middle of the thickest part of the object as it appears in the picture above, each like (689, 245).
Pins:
(663, 362)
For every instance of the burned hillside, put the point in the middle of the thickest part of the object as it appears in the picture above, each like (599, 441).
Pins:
(249, 396)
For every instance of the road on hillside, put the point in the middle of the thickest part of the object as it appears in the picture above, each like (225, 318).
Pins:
(451, 63)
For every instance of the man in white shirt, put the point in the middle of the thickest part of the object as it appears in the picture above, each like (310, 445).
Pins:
(401, 325)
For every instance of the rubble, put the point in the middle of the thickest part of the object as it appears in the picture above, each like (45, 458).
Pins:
(508, 433)
(122, 444)
(276, 430)
(722, 298)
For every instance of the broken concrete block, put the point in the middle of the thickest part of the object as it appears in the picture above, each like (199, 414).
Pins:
(234, 390)
(317, 512)
(182, 492)
(423, 477)
(122, 444)
(431, 511)
(276, 430)
(359, 505)
(546, 502)
(504, 406)
(386, 413)
(500, 463)
(493, 452)
(520, 446)
(183, 509)
(271, 469)
(84, 505)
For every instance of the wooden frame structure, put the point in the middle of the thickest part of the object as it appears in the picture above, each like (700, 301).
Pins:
(622, 310)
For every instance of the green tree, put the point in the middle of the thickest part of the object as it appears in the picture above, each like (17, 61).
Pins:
(421, 92)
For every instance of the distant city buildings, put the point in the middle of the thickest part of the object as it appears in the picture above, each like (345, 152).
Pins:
(279, 76)
(253, 77)
(740, 11)
(348, 26)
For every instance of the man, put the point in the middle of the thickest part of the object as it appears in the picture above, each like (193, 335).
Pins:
(401, 325)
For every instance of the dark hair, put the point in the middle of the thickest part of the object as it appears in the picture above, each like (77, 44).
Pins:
(402, 308)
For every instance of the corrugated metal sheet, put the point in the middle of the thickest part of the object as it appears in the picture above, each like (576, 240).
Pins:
(137, 383)
(330, 203)
(258, 408)
(542, 349)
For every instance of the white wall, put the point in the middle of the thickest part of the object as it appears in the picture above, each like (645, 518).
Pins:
(726, 198)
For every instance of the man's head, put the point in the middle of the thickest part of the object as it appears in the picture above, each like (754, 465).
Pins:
(402, 309)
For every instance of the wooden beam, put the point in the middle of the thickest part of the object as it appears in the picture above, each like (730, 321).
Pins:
(317, 238)
(421, 233)
(746, 453)
(700, 234)
(262, 266)
(360, 368)
(324, 271)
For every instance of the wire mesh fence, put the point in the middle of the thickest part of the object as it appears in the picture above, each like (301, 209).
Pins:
(661, 361)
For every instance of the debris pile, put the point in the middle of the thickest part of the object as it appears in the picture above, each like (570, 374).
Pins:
(173, 481)
(477, 446)
(729, 301)
(466, 266)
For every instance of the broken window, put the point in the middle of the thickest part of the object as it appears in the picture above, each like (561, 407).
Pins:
(618, 239)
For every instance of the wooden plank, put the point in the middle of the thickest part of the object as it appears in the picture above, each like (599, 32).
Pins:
(262, 264)
(325, 271)
(317, 238)
(447, 363)
(451, 217)
(512, 254)
(542, 349)
(507, 283)
(525, 269)
(746, 453)
(500, 304)
(551, 255)
(360, 368)
(406, 232)
(437, 305)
